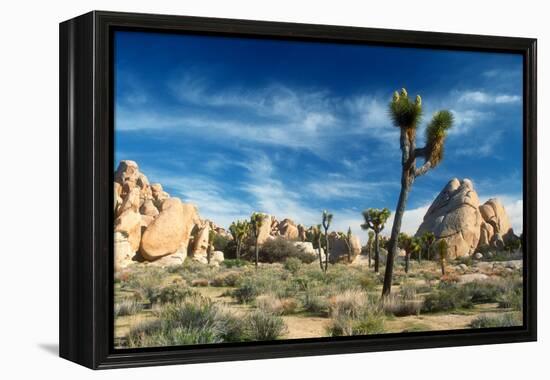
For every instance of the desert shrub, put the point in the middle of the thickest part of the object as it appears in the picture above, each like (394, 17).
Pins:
(446, 298)
(293, 264)
(275, 305)
(261, 325)
(127, 307)
(279, 249)
(147, 281)
(314, 303)
(504, 320)
(408, 291)
(226, 279)
(512, 296)
(221, 242)
(234, 263)
(192, 270)
(172, 294)
(202, 282)
(349, 303)
(245, 293)
(399, 307)
(197, 321)
(484, 291)
(368, 322)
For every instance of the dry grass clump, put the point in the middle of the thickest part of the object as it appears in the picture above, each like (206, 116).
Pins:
(127, 307)
(202, 282)
(270, 303)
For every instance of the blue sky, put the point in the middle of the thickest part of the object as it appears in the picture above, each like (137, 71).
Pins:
(291, 128)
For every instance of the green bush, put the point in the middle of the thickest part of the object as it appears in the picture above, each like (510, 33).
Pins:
(400, 307)
(279, 249)
(505, 320)
(446, 298)
(368, 322)
(172, 294)
(293, 264)
(127, 307)
(197, 321)
(246, 293)
(264, 326)
(234, 263)
(226, 279)
(315, 304)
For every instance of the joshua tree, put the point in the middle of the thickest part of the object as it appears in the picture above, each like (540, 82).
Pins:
(442, 248)
(239, 230)
(314, 235)
(410, 245)
(370, 243)
(375, 220)
(347, 239)
(210, 248)
(427, 240)
(327, 219)
(406, 115)
(256, 221)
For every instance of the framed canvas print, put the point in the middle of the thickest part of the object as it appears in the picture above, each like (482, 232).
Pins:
(236, 189)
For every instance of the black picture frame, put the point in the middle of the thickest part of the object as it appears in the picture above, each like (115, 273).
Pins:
(86, 172)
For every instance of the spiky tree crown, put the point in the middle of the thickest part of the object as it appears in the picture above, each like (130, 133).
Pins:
(436, 131)
(428, 237)
(375, 218)
(404, 112)
(442, 247)
(327, 219)
(256, 222)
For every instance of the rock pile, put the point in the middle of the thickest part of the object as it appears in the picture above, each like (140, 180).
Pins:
(457, 217)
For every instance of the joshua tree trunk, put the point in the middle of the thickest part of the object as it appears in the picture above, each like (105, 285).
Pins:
(442, 262)
(327, 250)
(419, 255)
(369, 252)
(238, 256)
(400, 210)
(256, 249)
(376, 252)
(407, 261)
(319, 249)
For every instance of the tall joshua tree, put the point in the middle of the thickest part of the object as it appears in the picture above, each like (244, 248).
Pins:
(428, 239)
(314, 235)
(239, 230)
(406, 115)
(410, 245)
(327, 220)
(370, 244)
(256, 222)
(375, 219)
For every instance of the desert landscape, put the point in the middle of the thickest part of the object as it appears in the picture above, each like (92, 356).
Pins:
(183, 279)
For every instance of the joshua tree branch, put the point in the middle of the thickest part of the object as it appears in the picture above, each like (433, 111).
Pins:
(405, 147)
(423, 169)
(420, 152)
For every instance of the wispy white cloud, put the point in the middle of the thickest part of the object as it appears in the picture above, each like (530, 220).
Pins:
(481, 97)
(345, 188)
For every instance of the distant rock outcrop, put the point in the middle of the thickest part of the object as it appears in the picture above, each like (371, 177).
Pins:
(457, 217)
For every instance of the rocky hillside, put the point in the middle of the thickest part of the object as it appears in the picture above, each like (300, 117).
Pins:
(153, 227)
(457, 217)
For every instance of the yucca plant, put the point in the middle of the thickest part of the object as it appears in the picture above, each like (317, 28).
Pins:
(406, 115)
(442, 248)
(327, 220)
(375, 219)
(239, 230)
(346, 237)
(256, 222)
(411, 245)
(428, 239)
(314, 235)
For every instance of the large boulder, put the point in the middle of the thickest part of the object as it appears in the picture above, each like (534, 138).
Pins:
(169, 231)
(288, 229)
(129, 224)
(123, 251)
(496, 218)
(127, 171)
(148, 208)
(454, 216)
(338, 249)
(200, 240)
(131, 201)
